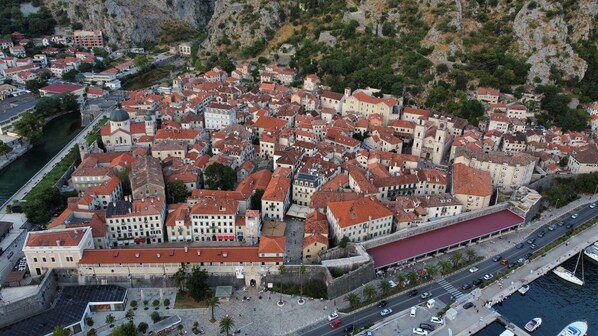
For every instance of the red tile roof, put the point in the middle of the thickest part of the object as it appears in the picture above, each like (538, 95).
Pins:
(269, 244)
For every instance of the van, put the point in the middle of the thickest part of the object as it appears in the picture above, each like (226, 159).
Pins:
(413, 311)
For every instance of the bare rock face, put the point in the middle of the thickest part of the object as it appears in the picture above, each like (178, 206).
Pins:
(545, 34)
(130, 22)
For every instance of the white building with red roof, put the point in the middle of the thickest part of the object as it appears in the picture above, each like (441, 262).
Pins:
(488, 95)
(364, 103)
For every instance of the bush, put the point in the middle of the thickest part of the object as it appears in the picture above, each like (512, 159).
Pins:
(156, 303)
(145, 302)
(89, 321)
(133, 303)
(314, 289)
(155, 316)
(142, 327)
(166, 302)
(91, 332)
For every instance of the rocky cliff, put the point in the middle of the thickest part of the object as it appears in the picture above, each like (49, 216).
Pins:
(131, 22)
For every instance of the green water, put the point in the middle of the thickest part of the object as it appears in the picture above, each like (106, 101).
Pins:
(57, 133)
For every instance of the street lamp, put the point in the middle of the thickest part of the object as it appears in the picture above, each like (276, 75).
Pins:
(556, 204)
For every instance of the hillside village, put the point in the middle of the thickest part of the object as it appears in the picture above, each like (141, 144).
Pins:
(354, 165)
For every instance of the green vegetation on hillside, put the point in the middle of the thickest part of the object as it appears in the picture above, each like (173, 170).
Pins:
(36, 24)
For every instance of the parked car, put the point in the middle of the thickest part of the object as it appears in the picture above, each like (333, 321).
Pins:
(466, 286)
(497, 258)
(335, 324)
(541, 234)
(569, 226)
(468, 305)
(521, 260)
(437, 320)
(531, 240)
(333, 316)
(349, 328)
(528, 255)
(413, 311)
(413, 292)
(519, 246)
(420, 331)
(592, 206)
(368, 333)
(427, 326)
(575, 215)
(488, 276)
(477, 282)
(504, 262)
(561, 223)
(551, 227)
(385, 311)
(532, 246)
(473, 269)
(382, 304)
(392, 284)
(511, 265)
(425, 295)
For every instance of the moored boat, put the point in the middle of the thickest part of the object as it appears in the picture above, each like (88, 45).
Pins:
(533, 324)
(592, 252)
(523, 289)
(577, 328)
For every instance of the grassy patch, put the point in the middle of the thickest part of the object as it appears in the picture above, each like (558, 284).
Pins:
(185, 301)
(95, 133)
(148, 78)
(55, 174)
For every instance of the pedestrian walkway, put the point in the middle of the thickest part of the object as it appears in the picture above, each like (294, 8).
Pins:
(450, 288)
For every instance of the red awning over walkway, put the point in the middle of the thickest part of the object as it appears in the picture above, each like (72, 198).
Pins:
(405, 249)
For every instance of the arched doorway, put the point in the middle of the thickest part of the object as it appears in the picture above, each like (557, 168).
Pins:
(252, 283)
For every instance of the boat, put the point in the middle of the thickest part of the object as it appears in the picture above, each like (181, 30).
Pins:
(592, 252)
(567, 275)
(577, 328)
(523, 289)
(533, 324)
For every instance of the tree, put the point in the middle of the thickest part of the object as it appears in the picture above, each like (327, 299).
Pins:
(353, 300)
(86, 67)
(256, 199)
(142, 327)
(219, 176)
(29, 127)
(431, 270)
(388, 29)
(212, 303)
(471, 255)
(369, 291)
(109, 319)
(445, 265)
(197, 284)
(180, 277)
(37, 212)
(177, 191)
(127, 329)
(281, 271)
(125, 181)
(141, 61)
(61, 331)
(155, 316)
(4, 149)
(70, 76)
(35, 84)
(413, 277)
(133, 303)
(302, 270)
(472, 110)
(384, 286)
(401, 278)
(226, 325)
(343, 242)
(130, 315)
(457, 259)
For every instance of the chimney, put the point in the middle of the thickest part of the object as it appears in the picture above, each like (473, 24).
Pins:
(186, 248)
(158, 255)
(137, 255)
(58, 242)
(224, 254)
(198, 252)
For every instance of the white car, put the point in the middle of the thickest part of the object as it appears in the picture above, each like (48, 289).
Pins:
(592, 206)
(333, 316)
(437, 320)
(386, 311)
(420, 331)
(488, 276)
(392, 284)
(473, 269)
(574, 215)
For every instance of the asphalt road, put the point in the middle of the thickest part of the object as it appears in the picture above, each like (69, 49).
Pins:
(403, 301)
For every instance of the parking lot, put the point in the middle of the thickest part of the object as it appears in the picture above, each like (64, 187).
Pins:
(402, 323)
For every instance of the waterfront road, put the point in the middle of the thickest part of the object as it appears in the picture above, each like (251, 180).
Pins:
(450, 289)
(48, 167)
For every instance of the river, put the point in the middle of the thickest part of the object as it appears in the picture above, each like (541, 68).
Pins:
(57, 133)
(557, 302)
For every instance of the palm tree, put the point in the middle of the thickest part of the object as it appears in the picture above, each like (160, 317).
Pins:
(384, 287)
(457, 259)
(180, 277)
(212, 303)
(109, 319)
(281, 270)
(302, 270)
(445, 265)
(413, 277)
(226, 325)
(431, 270)
(471, 255)
(401, 278)
(353, 300)
(369, 291)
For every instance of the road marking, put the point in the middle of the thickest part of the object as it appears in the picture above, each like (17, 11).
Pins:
(450, 288)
